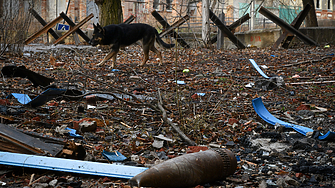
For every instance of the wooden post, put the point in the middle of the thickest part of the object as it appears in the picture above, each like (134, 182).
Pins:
(220, 41)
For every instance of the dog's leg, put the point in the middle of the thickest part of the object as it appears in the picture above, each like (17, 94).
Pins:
(113, 62)
(110, 55)
(146, 54)
(159, 54)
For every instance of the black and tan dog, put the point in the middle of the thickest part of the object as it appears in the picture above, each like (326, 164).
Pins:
(122, 35)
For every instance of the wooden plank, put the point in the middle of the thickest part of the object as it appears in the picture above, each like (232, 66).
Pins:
(43, 30)
(43, 22)
(74, 28)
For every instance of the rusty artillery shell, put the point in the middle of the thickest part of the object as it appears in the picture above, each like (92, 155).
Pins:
(189, 170)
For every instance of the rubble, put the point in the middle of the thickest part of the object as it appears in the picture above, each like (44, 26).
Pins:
(145, 117)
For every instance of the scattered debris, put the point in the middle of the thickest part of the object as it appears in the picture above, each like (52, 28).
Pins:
(140, 113)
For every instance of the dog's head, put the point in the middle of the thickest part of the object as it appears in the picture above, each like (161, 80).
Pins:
(98, 35)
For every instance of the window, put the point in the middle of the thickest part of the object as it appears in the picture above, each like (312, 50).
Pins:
(192, 8)
(156, 5)
(318, 4)
(168, 5)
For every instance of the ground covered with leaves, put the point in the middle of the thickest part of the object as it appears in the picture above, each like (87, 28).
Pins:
(206, 93)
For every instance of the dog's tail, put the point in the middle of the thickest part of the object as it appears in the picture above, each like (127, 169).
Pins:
(161, 42)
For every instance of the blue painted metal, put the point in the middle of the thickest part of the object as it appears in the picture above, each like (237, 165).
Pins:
(22, 98)
(266, 116)
(258, 69)
(69, 165)
(328, 136)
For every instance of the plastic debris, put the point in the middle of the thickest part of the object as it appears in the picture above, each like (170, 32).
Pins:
(269, 84)
(158, 143)
(201, 94)
(249, 85)
(186, 70)
(114, 156)
(189, 170)
(72, 133)
(180, 82)
(162, 137)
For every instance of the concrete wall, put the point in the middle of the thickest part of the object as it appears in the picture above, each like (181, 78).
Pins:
(267, 37)
(260, 38)
(322, 35)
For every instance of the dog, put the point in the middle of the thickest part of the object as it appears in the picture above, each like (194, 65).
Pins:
(122, 35)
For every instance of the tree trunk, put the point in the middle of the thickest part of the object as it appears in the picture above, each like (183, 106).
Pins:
(110, 12)
(311, 20)
(205, 21)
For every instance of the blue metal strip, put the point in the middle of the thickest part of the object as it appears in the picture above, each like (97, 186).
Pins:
(258, 69)
(69, 165)
(266, 116)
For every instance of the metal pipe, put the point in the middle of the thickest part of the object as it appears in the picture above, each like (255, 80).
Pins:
(189, 170)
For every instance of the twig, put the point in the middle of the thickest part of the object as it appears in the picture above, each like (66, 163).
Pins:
(112, 94)
(166, 120)
(31, 179)
(318, 82)
(303, 62)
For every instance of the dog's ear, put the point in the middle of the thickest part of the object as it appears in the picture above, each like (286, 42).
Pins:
(100, 28)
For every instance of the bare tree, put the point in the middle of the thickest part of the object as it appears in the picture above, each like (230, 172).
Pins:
(14, 24)
(110, 11)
